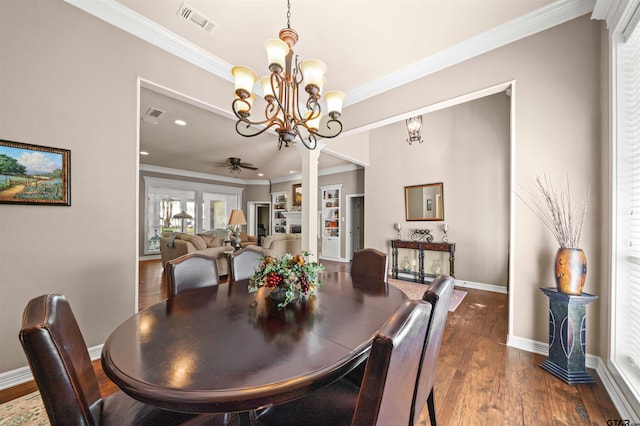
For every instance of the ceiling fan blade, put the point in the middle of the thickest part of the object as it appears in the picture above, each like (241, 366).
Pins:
(249, 166)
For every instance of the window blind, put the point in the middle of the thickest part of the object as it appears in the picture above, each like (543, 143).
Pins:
(629, 109)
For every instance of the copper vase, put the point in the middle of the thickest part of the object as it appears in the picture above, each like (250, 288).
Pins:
(571, 270)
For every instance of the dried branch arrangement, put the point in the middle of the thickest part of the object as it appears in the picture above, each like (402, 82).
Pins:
(558, 214)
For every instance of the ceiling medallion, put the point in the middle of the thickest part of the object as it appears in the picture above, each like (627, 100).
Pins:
(281, 91)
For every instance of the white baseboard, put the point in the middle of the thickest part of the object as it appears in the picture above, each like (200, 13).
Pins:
(150, 257)
(621, 403)
(21, 375)
(481, 286)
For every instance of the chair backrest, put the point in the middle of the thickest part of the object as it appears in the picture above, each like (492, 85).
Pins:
(189, 272)
(388, 383)
(438, 294)
(60, 362)
(245, 261)
(368, 264)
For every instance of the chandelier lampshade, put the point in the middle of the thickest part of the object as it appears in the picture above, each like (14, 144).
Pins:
(285, 112)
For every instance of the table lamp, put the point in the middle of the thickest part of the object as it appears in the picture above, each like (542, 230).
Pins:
(236, 219)
(182, 216)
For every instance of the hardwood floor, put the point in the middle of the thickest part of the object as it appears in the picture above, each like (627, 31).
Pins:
(481, 381)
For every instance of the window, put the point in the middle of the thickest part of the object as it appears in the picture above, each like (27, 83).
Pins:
(625, 326)
(209, 207)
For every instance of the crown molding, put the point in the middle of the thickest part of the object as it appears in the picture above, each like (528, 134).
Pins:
(553, 14)
(199, 175)
(539, 20)
(191, 174)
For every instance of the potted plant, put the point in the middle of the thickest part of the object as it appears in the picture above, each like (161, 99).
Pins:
(565, 222)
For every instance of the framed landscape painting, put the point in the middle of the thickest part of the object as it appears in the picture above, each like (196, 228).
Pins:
(33, 174)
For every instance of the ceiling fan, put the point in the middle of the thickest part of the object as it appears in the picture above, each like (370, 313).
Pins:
(236, 165)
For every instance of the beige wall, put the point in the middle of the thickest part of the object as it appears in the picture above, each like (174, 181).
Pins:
(67, 81)
(557, 107)
(467, 148)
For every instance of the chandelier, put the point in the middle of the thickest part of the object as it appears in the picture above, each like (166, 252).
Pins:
(281, 91)
(414, 127)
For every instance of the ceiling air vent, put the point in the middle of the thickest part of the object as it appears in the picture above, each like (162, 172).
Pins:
(152, 114)
(194, 17)
(155, 112)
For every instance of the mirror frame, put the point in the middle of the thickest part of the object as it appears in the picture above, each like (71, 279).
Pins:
(440, 191)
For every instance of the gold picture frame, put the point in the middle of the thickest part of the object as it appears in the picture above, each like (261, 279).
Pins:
(34, 174)
(297, 195)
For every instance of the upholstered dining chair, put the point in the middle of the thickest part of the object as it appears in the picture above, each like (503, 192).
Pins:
(438, 294)
(189, 272)
(369, 264)
(62, 369)
(245, 261)
(385, 396)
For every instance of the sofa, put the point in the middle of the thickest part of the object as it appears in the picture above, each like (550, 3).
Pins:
(279, 244)
(207, 244)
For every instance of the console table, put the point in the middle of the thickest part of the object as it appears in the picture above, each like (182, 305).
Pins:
(421, 247)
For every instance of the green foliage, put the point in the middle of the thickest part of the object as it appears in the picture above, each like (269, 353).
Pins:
(11, 166)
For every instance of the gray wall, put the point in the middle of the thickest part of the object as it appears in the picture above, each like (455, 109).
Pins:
(467, 148)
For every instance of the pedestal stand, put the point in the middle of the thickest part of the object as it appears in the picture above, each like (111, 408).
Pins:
(567, 336)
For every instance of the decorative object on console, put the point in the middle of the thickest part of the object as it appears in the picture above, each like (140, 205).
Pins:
(398, 227)
(565, 223)
(236, 219)
(419, 234)
(288, 277)
(182, 216)
(414, 127)
(445, 229)
(281, 93)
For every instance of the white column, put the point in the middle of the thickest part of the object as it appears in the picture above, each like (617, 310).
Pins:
(310, 200)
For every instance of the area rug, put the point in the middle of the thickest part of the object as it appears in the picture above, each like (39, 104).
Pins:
(415, 291)
(26, 410)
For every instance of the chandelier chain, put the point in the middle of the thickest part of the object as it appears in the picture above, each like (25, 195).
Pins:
(289, 14)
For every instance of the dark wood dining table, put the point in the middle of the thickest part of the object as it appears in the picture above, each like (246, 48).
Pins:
(223, 349)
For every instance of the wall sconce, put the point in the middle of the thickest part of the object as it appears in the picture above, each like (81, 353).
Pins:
(414, 127)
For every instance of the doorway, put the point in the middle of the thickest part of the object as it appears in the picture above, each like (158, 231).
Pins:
(355, 224)
(259, 218)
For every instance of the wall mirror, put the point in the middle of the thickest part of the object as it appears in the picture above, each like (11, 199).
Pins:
(424, 202)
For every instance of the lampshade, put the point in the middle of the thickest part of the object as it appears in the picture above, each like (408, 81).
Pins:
(237, 218)
(245, 78)
(182, 215)
(313, 71)
(334, 99)
(277, 51)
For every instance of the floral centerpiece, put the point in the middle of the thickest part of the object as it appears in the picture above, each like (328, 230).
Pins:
(288, 277)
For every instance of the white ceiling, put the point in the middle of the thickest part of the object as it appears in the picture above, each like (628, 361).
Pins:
(362, 42)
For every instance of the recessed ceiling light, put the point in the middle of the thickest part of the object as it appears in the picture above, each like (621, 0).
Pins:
(144, 153)
(291, 171)
(260, 174)
(180, 122)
